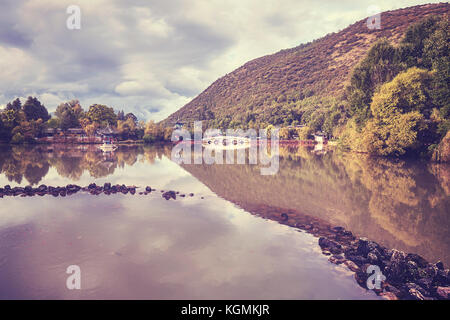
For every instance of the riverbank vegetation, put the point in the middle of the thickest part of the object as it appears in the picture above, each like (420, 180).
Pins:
(398, 100)
(28, 122)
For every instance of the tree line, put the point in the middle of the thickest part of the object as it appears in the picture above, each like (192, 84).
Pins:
(25, 123)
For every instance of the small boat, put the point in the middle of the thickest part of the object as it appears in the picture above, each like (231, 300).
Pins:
(108, 147)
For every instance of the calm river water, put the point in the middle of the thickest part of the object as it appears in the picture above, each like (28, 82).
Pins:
(219, 244)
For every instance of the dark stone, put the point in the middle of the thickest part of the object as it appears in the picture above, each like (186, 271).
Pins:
(412, 285)
(284, 217)
(412, 271)
(337, 259)
(361, 277)
(443, 292)
(442, 278)
(413, 294)
(148, 189)
(430, 271)
(191, 194)
(426, 283)
(421, 262)
(396, 268)
(330, 245)
(350, 251)
(440, 265)
(365, 246)
(347, 234)
(372, 258)
(337, 229)
(169, 195)
(394, 290)
(92, 186)
(397, 256)
(358, 260)
(107, 186)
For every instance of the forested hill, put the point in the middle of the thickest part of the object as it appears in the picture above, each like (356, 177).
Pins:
(282, 88)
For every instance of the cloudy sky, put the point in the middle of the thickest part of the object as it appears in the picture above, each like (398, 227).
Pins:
(152, 57)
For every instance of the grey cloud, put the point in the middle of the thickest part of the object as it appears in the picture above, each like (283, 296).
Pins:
(151, 57)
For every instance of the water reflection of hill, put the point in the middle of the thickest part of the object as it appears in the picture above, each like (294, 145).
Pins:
(399, 204)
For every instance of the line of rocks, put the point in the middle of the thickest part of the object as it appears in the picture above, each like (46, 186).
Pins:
(92, 189)
(408, 276)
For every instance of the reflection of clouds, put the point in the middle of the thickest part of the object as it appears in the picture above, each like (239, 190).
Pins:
(147, 247)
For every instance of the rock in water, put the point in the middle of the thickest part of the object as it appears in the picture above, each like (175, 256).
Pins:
(443, 292)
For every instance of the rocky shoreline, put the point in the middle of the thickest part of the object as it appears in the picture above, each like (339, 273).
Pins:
(408, 276)
(92, 189)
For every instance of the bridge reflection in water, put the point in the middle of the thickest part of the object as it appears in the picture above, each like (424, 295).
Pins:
(226, 142)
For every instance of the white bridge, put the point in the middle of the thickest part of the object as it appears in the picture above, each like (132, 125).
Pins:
(226, 142)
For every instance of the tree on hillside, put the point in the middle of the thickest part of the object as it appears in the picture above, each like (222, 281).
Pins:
(436, 52)
(399, 110)
(34, 110)
(412, 46)
(409, 91)
(381, 64)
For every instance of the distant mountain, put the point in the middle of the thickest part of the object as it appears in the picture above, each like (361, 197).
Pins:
(313, 74)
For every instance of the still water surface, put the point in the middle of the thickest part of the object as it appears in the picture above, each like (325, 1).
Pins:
(218, 247)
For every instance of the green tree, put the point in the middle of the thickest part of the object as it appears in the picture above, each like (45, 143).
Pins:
(411, 49)
(381, 64)
(34, 110)
(15, 105)
(436, 53)
(409, 91)
(399, 110)
(102, 114)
